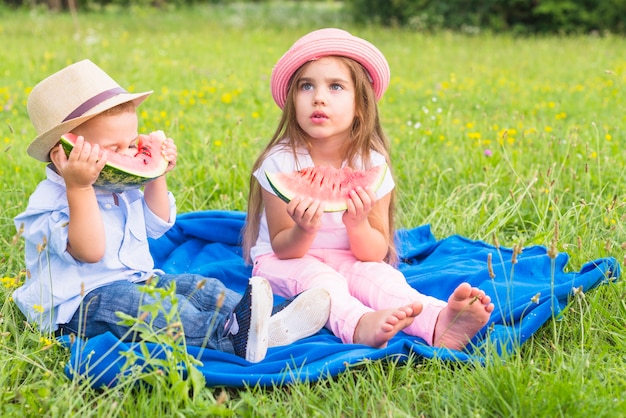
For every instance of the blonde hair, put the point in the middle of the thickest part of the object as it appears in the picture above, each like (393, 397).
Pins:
(129, 106)
(367, 135)
(126, 107)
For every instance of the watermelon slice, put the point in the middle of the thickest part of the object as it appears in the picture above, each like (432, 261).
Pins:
(123, 172)
(328, 184)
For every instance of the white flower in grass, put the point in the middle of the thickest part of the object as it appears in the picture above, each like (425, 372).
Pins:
(578, 291)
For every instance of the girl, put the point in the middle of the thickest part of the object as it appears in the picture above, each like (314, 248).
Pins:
(328, 84)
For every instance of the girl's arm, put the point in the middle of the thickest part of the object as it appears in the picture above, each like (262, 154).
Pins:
(292, 226)
(367, 223)
(156, 193)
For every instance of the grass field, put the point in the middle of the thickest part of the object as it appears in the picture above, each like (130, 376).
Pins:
(492, 137)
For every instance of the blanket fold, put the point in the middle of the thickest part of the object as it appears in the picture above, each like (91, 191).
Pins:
(526, 295)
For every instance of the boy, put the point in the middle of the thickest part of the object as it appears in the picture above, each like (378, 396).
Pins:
(87, 248)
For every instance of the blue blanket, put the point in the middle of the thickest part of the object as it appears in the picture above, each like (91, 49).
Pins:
(526, 294)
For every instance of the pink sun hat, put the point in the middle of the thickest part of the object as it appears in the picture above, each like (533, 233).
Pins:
(323, 43)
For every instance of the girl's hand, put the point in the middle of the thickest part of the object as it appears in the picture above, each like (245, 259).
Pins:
(306, 213)
(360, 204)
(83, 166)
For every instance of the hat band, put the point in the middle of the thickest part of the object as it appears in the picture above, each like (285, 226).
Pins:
(94, 101)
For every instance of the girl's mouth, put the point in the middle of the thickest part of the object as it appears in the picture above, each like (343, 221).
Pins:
(318, 117)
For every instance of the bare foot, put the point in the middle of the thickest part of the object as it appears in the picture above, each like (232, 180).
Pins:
(467, 312)
(377, 328)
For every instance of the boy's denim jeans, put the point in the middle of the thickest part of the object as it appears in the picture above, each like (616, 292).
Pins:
(204, 324)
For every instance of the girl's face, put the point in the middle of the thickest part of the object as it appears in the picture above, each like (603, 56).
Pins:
(113, 132)
(324, 100)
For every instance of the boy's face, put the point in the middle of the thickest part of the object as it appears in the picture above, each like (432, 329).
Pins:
(113, 132)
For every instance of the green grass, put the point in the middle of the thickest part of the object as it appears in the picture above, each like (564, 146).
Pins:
(550, 110)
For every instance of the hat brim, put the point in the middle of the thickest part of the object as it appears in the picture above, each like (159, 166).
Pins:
(324, 43)
(40, 147)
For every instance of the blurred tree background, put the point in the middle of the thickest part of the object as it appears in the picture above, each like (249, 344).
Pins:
(519, 16)
(524, 17)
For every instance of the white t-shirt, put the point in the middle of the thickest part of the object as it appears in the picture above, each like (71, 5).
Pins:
(332, 234)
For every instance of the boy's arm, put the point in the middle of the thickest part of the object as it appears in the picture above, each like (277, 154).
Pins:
(156, 197)
(156, 192)
(86, 237)
(86, 240)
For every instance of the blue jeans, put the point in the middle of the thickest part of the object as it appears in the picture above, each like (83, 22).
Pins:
(203, 323)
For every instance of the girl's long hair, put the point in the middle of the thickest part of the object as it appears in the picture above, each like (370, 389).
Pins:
(366, 135)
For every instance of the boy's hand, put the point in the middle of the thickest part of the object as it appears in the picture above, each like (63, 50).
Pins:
(168, 149)
(170, 153)
(83, 166)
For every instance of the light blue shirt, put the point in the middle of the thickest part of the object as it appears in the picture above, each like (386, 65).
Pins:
(57, 282)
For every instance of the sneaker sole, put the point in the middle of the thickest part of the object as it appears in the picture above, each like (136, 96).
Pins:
(303, 317)
(261, 310)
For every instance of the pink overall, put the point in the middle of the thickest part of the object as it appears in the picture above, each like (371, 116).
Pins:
(355, 287)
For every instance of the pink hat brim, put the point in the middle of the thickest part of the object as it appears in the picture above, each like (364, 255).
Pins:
(329, 42)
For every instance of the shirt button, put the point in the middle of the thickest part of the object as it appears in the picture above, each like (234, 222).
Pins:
(107, 206)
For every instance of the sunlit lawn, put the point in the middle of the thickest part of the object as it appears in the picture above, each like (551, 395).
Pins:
(492, 137)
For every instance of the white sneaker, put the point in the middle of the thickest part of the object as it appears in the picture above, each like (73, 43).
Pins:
(299, 317)
(251, 319)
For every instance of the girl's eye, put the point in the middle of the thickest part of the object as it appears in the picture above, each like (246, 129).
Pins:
(306, 86)
(336, 86)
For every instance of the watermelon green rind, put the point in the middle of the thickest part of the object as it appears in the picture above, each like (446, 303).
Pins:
(272, 180)
(114, 177)
(332, 199)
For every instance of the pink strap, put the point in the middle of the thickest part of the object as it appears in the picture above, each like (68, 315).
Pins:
(95, 100)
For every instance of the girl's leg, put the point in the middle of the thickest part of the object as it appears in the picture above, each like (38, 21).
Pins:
(381, 286)
(290, 277)
(451, 324)
(468, 310)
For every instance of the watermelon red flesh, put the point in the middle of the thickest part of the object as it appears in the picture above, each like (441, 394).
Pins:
(124, 172)
(328, 184)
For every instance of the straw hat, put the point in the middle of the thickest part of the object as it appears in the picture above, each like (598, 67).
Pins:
(323, 43)
(68, 98)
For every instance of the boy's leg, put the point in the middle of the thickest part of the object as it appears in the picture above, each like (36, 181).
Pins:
(250, 320)
(299, 317)
(204, 293)
(98, 314)
(212, 315)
